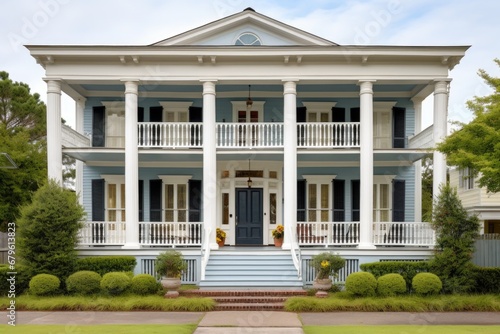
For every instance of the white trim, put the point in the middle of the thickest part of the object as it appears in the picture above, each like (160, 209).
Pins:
(175, 105)
(175, 179)
(383, 179)
(319, 178)
(242, 105)
(319, 106)
(113, 178)
(114, 106)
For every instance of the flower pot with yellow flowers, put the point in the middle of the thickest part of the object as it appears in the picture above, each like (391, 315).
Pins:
(220, 237)
(326, 265)
(278, 234)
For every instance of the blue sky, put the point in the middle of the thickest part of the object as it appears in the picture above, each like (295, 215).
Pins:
(347, 22)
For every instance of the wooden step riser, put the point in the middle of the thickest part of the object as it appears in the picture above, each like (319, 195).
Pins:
(244, 293)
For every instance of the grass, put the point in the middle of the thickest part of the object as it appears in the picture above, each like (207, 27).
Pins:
(342, 301)
(104, 303)
(401, 329)
(101, 329)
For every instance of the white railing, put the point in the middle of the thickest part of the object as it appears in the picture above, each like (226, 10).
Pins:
(170, 135)
(102, 233)
(296, 255)
(327, 135)
(170, 234)
(205, 250)
(326, 234)
(404, 234)
(424, 139)
(72, 138)
(254, 135)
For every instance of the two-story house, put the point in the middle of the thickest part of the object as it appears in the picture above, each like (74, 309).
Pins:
(243, 124)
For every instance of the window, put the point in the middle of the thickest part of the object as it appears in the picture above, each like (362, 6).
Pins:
(382, 199)
(114, 201)
(318, 198)
(175, 198)
(248, 38)
(466, 178)
(272, 208)
(115, 123)
(319, 111)
(225, 209)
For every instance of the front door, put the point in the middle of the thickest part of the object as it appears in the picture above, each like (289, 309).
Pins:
(249, 218)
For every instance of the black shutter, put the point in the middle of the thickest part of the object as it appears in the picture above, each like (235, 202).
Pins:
(355, 115)
(98, 126)
(398, 200)
(355, 200)
(338, 200)
(140, 114)
(301, 114)
(141, 200)
(156, 114)
(301, 118)
(195, 114)
(301, 200)
(398, 115)
(338, 115)
(195, 196)
(155, 200)
(98, 200)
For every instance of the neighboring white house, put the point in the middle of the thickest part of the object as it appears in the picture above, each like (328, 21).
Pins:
(477, 200)
(169, 135)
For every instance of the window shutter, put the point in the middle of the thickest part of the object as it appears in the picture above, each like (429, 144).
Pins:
(338, 115)
(301, 200)
(355, 115)
(301, 114)
(195, 196)
(98, 126)
(155, 200)
(140, 114)
(141, 200)
(338, 200)
(398, 115)
(301, 118)
(398, 200)
(195, 114)
(156, 114)
(355, 200)
(98, 200)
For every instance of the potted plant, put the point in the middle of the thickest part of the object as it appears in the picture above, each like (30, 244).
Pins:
(220, 237)
(278, 234)
(169, 266)
(326, 265)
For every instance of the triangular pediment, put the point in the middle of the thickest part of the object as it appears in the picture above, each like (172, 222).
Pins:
(245, 26)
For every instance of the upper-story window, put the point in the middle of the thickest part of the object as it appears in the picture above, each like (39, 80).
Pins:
(466, 178)
(248, 38)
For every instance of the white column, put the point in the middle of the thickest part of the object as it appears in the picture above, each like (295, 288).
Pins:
(440, 132)
(54, 131)
(79, 112)
(131, 166)
(366, 164)
(290, 162)
(417, 106)
(209, 163)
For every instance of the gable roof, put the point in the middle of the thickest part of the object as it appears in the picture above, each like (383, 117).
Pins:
(198, 36)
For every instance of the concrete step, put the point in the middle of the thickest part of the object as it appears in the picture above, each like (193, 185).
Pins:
(250, 307)
(246, 292)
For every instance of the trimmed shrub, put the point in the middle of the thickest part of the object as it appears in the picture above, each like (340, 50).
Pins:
(486, 280)
(84, 282)
(106, 264)
(391, 285)
(20, 284)
(115, 283)
(427, 284)
(361, 284)
(144, 284)
(407, 269)
(44, 284)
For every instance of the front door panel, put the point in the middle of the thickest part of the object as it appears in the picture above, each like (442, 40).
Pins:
(249, 218)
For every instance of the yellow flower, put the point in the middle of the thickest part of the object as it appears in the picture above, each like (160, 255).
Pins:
(325, 264)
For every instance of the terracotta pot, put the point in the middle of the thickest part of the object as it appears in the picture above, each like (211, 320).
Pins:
(171, 283)
(322, 284)
(221, 243)
(278, 242)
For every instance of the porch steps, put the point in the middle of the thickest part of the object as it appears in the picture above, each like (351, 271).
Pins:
(247, 300)
(251, 268)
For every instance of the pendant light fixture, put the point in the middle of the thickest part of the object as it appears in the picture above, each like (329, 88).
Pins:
(249, 181)
(249, 100)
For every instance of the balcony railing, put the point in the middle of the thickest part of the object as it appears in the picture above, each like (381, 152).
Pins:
(403, 234)
(249, 135)
(170, 135)
(327, 234)
(170, 234)
(102, 233)
(327, 135)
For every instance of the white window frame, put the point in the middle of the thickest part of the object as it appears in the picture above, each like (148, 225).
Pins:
(112, 131)
(466, 178)
(318, 108)
(319, 180)
(377, 181)
(257, 41)
(178, 108)
(175, 180)
(242, 105)
(380, 107)
(116, 180)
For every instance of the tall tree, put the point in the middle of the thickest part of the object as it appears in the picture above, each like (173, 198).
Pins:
(427, 188)
(476, 145)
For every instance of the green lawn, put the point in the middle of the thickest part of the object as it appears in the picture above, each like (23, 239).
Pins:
(401, 329)
(101, 329)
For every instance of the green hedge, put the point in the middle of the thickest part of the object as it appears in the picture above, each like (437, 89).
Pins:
(391, 285)
(361, 284)
(115, 283)
(407, 269)
(22, 280)
(427, 284)
(44, 285)
(83, 282)
(106, 264)
(487, 279)
(144, 284)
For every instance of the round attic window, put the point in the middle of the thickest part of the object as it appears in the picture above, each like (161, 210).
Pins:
(248, 38)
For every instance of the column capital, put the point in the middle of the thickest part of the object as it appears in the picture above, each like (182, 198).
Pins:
(441, 85)
(131, 86)
(53, 85)
(290, 86)
(209, 87)
(366, 86)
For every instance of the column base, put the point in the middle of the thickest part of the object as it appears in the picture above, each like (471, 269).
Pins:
(131, 245)
(366, 246)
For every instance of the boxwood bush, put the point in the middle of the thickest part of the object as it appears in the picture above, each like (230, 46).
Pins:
(144, 284)
(407, 269)
(391, 285)
(115, 283)
(427, 284)
(106, 264)
(44, 285)
(487, 280)
(83, 282)
(361, 284)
